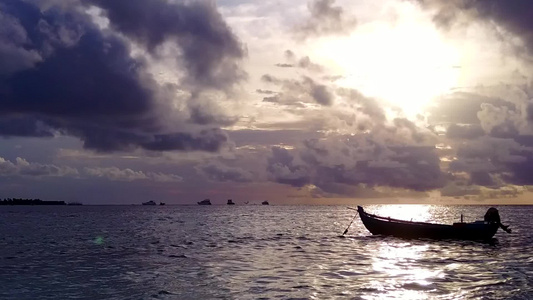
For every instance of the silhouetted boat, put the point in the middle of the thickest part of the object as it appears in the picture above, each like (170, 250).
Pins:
(478, 230)
(230, 202)
(264, 203)
(204, 202)
(162, 203)
(149, 203)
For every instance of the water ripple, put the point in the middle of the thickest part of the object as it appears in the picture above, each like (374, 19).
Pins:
(252, 252)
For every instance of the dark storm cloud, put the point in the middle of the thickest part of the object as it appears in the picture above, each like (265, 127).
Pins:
(326, 19)
(455, 131)
(271, 137)
(513, 16)
(524, 140)
(24, 126)
(296, 92)
(354, 161)
(488, 157)
(462, 107)
(14, 56)
(481, 178)
(209, 50)
(283, 169)
(491, 137)
(207, 113)
(207, 140)
(67, 76)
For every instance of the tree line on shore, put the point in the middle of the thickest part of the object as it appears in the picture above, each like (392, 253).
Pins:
(21, 201)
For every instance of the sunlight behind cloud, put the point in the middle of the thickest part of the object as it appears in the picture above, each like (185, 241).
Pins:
(406, 64)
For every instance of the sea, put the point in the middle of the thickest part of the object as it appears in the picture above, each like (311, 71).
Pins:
(255, 252)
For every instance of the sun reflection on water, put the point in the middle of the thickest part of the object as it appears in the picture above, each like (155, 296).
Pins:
(401, 279)
(396, 262)
(409, 212)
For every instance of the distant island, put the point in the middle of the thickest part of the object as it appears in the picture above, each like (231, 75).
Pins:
(20, 201)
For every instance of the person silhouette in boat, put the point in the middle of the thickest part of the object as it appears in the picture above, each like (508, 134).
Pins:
(492, 216)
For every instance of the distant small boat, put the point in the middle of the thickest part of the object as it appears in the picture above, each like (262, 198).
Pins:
(74, 203)
(149, 203)
(162, 203)
(264, 203)
(478, 230)
(230, 202)
(204, 202)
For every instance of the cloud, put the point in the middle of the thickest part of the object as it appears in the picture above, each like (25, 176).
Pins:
(306, 63)
(25, 126)
(13, 55)
(85, 81)
(266, 92)
(325, 19)
(284, 65)
(303, 63)
(445, 109)
(360, 103)
(21, 167)
(282, 168)
(513, 17)
(455, 190)
(207, 48)
(216, 171)
(499, 121)
(455, 131)
(116, 174)
(296, 92)
(494, 162)
(356, 160)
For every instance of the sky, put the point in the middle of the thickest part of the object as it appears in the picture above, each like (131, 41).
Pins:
(294, 102)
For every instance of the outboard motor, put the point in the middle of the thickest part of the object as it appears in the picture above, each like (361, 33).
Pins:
(492, 216)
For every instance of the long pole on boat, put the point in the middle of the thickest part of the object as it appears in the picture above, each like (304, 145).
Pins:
(346, 231)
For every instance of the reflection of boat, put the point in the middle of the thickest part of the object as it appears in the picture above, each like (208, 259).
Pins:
(264, 203)
(149, 203)
(162, 203)
(478, 230)
(230, 202)
(204, 202)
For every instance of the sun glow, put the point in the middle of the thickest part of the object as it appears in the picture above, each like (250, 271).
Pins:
(409, 212)
(406, 64)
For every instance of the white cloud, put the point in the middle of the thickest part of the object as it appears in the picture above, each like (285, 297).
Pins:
(116, 174)
(22, 167)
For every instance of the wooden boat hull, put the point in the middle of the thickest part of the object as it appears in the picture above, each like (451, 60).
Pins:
(405, 229)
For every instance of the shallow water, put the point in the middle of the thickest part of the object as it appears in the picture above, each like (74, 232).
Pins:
(254, 252)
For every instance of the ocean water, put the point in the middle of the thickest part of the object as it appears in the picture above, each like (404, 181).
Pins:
(254, 252)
